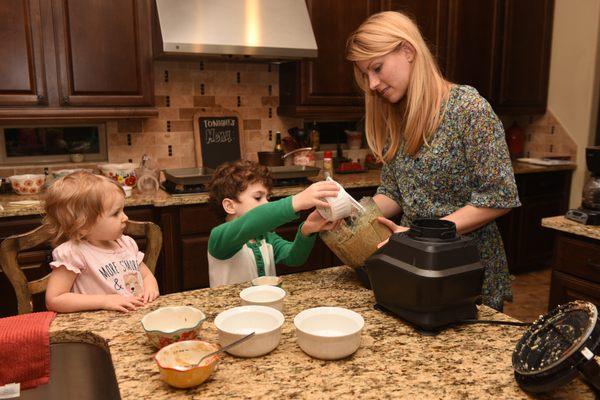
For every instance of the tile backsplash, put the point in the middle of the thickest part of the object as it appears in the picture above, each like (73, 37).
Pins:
(544, 136)
(251, 90)
(182, 89)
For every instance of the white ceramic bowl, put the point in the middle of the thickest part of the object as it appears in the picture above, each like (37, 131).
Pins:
(123, 173)
(267, 280)
(168, 325)
(329, 333)
(238, 322)
(28, 183)
(263, 295)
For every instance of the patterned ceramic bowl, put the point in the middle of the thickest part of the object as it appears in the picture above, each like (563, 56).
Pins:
(172, 324)
(177, 363)
(123, 173)
(28, 183)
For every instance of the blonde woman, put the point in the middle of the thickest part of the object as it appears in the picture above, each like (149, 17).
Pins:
(442, 146)
(95, 266)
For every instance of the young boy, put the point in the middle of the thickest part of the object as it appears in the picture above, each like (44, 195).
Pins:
(244, 246)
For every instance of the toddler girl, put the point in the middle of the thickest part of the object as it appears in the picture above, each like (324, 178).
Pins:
(95, 266)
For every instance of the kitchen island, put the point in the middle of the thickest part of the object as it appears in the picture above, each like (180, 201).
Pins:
(576, 262)
(394, 361)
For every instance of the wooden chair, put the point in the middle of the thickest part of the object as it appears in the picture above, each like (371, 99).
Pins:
(11, 246)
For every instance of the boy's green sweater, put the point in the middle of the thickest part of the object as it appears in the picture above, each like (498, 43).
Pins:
(257, 224)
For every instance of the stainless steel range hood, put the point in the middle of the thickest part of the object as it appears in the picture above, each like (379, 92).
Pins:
(273, 29)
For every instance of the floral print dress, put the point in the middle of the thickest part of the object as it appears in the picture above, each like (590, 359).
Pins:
(466, 162)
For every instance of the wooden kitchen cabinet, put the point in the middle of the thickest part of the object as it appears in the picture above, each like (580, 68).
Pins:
(75, 59)
(325, 87)
(104, 52)
(576, 270)
(22, 77)
(527, 244)
(500, 47)
(473, 34)
(525, 57)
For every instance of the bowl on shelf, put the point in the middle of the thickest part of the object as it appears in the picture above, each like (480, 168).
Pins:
(27, 183)
(263, 295)
(168, 325)
(235, 323)
(124, 173)
(329, 333)
(177, 363)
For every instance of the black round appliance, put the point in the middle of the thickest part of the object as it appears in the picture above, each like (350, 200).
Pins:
(558, 347)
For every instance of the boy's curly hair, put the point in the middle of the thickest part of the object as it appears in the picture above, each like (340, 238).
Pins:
(232, 178)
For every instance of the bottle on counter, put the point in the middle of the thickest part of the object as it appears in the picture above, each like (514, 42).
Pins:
(328, 163)
(314, 137)
(278, 146)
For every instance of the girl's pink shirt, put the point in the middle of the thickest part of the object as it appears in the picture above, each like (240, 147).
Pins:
(102, 271)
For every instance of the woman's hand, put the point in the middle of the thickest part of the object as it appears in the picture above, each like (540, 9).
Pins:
(316, 223)
(117, 302)
(391, 225)
(313, 196)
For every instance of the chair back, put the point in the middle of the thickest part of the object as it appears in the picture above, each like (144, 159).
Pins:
(12, 245)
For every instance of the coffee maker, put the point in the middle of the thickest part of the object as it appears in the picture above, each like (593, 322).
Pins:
(589, 212)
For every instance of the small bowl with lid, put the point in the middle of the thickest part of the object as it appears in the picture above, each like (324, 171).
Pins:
(168, 325)
(178, 363)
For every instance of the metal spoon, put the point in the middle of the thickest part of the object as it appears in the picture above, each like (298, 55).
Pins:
(222, 349)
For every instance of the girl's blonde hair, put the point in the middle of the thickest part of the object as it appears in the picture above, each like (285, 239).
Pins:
(413, 120)
(74, 203)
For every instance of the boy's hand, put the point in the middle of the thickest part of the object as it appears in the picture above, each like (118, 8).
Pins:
(313, 196)
(150, 289)
(316, 223)
(117, 302)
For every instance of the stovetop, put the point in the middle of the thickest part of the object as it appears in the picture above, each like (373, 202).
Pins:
(177, 189)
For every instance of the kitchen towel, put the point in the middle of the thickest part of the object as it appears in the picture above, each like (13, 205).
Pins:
(25, 349)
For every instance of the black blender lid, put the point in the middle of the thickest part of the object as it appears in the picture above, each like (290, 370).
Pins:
(550, 351)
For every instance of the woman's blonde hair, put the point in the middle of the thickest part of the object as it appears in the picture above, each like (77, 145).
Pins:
(413, 120)
(74, 203)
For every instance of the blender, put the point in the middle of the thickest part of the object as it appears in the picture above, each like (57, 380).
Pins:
(589, 212)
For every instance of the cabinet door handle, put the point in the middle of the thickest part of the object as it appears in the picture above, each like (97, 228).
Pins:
(593, 264)
(40, 98)
(66, 99)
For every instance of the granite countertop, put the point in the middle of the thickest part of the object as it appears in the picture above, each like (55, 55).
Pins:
(371, 178)
(164, 199)
(560, 223)
(467, 362)
(526, 168)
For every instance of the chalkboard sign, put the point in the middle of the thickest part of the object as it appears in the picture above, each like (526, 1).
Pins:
(219, 140)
